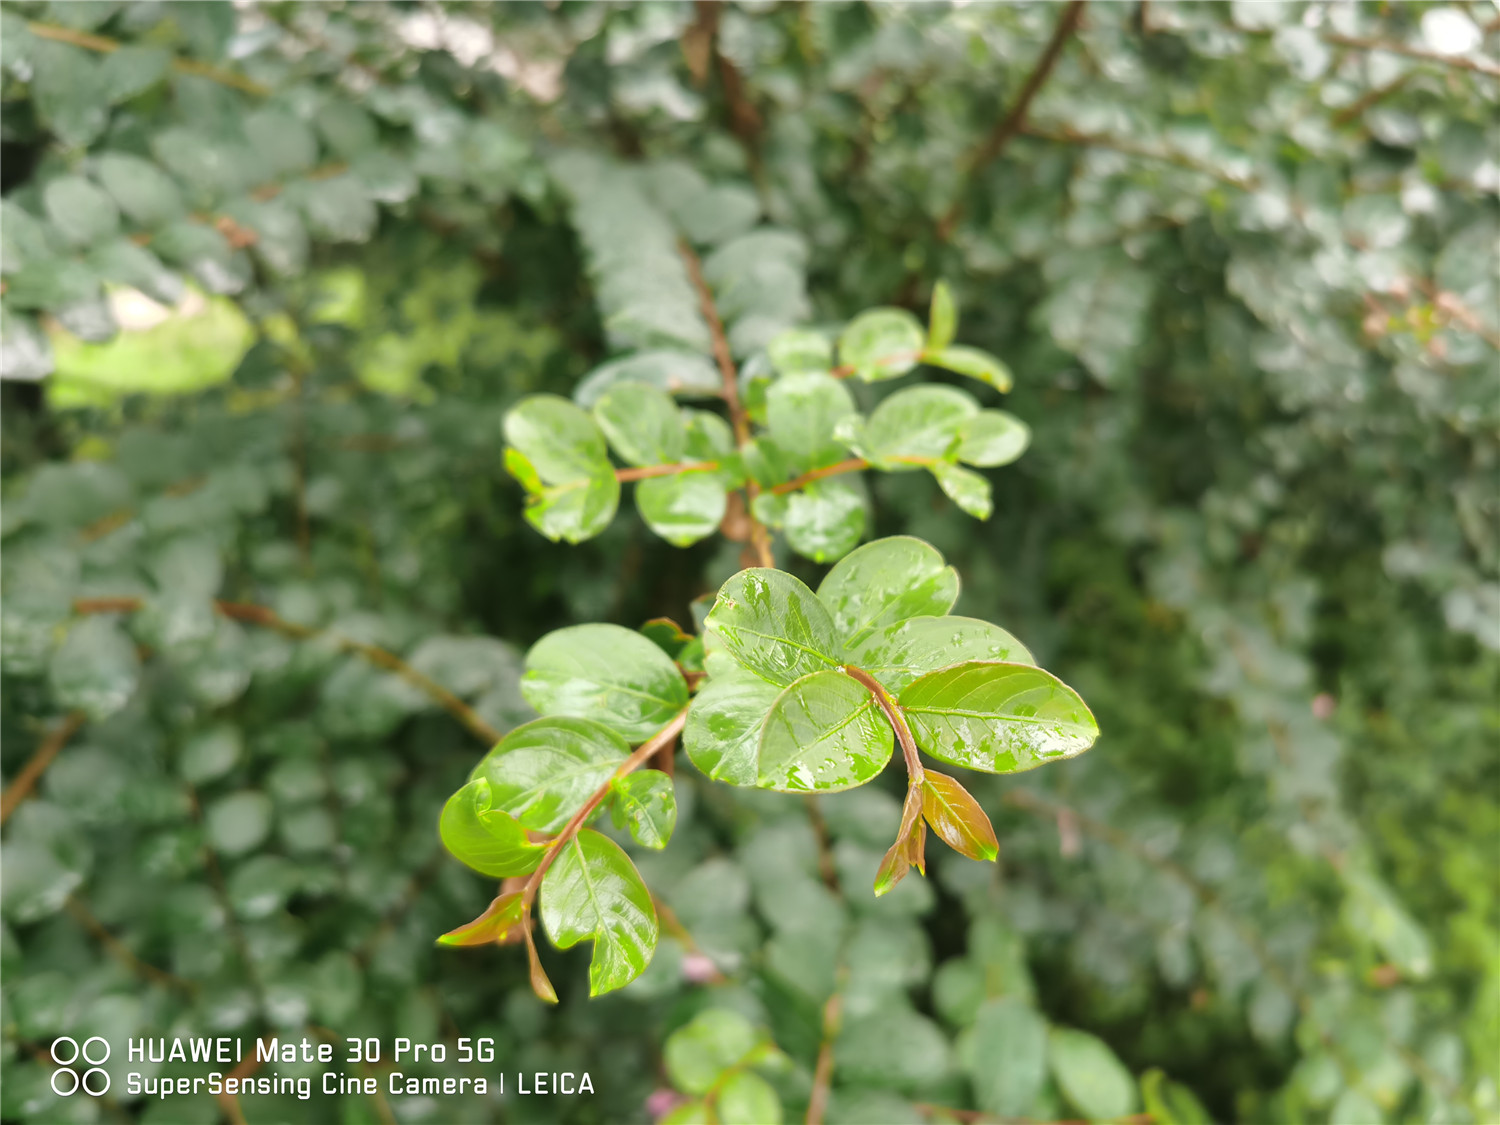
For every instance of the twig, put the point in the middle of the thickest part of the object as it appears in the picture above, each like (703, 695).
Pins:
(31, 772)
(897, 720)
(120, 951)
(1068, 135)
(760, 538)
(252, 614)
(852, 465)
(182, 66)
(1361, 43)
(1354, 109)
(670, 469)
(993, 145)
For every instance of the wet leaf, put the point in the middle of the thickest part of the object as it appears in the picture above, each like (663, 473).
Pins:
(593, 892)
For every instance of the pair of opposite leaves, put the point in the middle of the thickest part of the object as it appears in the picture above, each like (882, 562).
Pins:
(780, 708)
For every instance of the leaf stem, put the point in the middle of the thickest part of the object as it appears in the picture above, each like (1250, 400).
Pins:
(852, 465)
(670, 469)
(897, 718)
(252, 614)
(106, 46)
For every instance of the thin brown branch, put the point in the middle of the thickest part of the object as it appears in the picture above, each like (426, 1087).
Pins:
(993, 145)
(642, 754)
(120, 951)
(739, 419)
(183, 66)
(1065, 134)
(259, 615)
(1361, 43)
(19, 789)
(667, 470)
(852, 465)
(1356, 108)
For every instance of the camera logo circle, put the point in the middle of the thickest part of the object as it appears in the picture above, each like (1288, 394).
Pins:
(66, 1079)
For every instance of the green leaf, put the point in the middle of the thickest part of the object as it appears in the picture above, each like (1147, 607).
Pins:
(1097, 308)
(565, 453)
(884, 582)
(997, 717)
(801, 413)
(964, 487)
(23, 237)
(774, 626)
(956, 817)
(916, 425)
(676, 372)
(544, 771)
(69, 91)
(881, 344)
(825, 732)
(695, 1112)
(698, 1054)
(800, 351)
(80, 211)
(1170, 1103)
(646, 804)
(1009, 1057)
(496, 925)
(95, 670)
(125, 263)
(490, 841)
(684, 507)
(238, 823)
(642, 424)
(1356, 1105)
(991, 438)
(824, 520)
(25, 353)
(284, 144)
(133, 69)
(899, 653)
(709, 437)
(1093, 1080)
(608, 673)
(972, 362)
(338, 209)
(209, 753)
(942, 321)
(51, 284)
(346, 128)
(722, 735)
(593, 891)
(745, 1098)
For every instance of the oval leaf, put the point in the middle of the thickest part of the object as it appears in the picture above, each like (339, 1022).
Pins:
(608, 673)
(901, 652)
(593, 891)
(498, 925)
(1090, 1076)
(773, 625)
(971, 362)
(886, 581)
(541, 773)
(489, 840)
(722, 735)
(916, 425)
(956, 817)
(997, 717)
(881, 344)
(991, 438)
(824, 733)
(684, 507)
(641, 423)
(646, 805)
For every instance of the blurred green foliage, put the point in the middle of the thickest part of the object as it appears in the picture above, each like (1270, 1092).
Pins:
(1241, 262)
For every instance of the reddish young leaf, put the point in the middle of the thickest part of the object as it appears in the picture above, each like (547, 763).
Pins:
(893, 868)
(908, 848)
(539, 982)
(498, 925)
(957, 817)
(916, 847)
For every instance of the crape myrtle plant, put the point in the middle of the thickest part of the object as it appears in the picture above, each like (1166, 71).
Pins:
(783, 688)
(275, 277)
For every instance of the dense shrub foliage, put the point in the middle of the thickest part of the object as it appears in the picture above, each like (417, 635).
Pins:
(283, 287)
